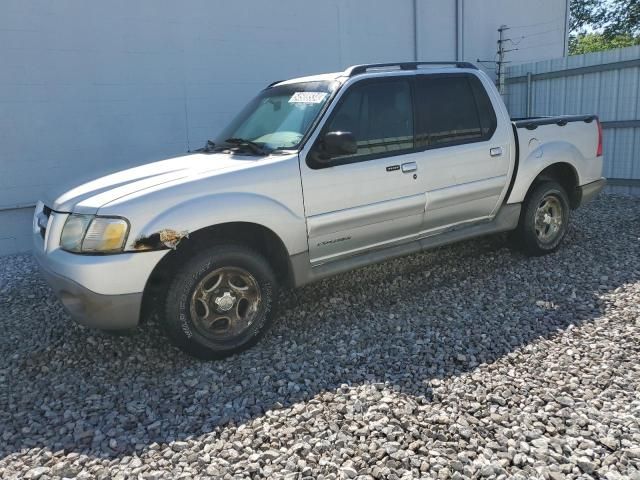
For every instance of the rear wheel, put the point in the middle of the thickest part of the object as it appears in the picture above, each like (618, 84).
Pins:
(220, 302)
(544, 219)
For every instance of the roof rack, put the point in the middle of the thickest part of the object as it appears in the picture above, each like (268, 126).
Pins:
(274, 83)
(358, 69)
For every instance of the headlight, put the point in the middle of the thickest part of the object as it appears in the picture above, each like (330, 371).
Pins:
(91, 234)
(73, 232)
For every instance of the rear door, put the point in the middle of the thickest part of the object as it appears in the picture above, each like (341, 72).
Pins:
(370, 199)
(466, 153)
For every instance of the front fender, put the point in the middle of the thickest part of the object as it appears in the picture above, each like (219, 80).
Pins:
(539, 158)
(209, 210)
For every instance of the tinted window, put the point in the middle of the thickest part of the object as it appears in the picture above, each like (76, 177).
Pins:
(488, 120)
(453, 109)
(379, 115)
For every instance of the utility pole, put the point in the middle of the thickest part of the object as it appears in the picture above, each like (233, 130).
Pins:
(500, 64)
(500, 61)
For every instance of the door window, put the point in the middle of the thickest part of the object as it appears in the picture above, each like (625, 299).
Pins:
(453, 110)
(379, 115)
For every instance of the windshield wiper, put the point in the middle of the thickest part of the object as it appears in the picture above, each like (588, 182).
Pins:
(254, 147)
(209, 147)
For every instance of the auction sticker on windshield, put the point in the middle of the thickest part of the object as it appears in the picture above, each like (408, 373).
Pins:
(307, 97)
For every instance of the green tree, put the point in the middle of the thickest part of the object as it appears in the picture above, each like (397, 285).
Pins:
(621, 17)
(603, 24)
(597, 42)
(585, 14)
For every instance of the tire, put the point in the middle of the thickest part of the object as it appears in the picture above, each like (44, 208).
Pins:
(544, 219)
(220, 302)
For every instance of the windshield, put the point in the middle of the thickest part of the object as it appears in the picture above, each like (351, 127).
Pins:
(279, 117)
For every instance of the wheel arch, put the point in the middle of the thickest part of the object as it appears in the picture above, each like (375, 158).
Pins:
(566, 175)
(252, 235)
(557, 160)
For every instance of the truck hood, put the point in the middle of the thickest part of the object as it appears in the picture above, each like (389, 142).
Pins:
(89, 197)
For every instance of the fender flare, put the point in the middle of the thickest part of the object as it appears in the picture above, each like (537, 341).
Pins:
(210, 210)
(538, 160)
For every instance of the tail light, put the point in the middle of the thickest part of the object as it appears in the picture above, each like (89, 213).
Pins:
(599, 152)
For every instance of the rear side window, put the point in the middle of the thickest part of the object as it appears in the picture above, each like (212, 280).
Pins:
(453, 109)
(487, 114)
(380, 116)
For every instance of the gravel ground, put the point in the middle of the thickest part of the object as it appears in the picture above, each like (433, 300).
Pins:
(464, 362)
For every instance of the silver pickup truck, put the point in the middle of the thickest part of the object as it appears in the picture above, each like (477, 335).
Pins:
(315, 176)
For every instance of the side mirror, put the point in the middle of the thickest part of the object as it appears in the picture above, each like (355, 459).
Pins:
(339, 143)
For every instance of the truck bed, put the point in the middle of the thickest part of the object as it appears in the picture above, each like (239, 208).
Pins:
(571, 140)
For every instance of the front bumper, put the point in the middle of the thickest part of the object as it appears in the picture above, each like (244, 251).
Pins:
(106, 312)
(100, 291)
(589, 191)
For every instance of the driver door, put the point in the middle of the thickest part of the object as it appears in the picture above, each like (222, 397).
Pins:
(372, 198)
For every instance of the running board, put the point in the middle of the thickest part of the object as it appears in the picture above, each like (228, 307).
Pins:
(505, 220)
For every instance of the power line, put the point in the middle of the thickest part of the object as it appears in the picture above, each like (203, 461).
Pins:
(539, 45)
(500, 60)
(523, 37)
(561, 20)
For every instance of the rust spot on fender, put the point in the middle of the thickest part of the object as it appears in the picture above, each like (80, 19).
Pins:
(166, 238)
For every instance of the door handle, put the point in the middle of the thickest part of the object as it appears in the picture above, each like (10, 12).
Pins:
(409, 167)
(495, 151)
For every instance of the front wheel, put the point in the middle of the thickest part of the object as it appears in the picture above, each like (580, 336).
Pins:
(544, 219)
(220, 302)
